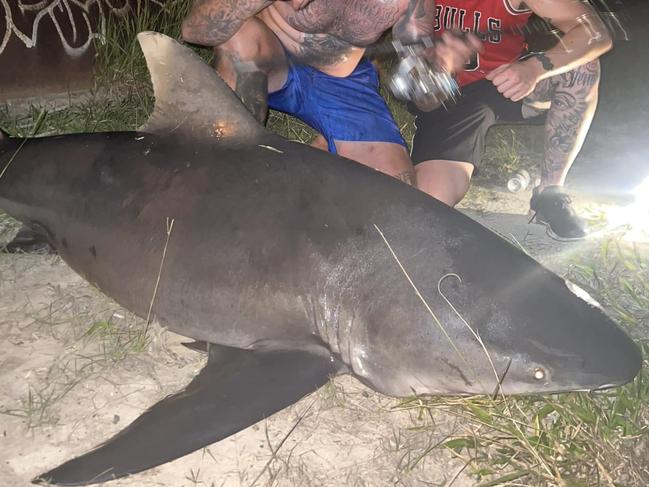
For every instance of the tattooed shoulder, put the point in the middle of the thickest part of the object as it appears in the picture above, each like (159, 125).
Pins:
(215, 21)
(357, 22)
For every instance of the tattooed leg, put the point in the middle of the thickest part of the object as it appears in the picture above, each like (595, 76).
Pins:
(571, 113)
(573, 97)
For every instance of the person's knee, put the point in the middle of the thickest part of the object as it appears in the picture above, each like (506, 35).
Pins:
(455, 189)
(447, 181)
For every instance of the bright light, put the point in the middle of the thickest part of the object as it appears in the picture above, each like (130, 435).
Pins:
(641, 193)
(634, 216)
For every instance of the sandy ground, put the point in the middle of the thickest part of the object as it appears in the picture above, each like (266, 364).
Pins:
(63, 390)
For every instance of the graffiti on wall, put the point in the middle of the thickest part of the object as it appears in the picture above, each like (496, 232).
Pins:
(77, 22)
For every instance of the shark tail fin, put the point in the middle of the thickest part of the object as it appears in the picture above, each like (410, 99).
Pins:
(191, 99)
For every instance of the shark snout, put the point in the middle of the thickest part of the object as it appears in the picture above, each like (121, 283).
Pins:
(618, 366)
(591, 365)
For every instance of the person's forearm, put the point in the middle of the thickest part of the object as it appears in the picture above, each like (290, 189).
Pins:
(212, 22)
(584, 42)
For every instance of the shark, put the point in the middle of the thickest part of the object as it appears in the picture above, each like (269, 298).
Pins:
(291, 266)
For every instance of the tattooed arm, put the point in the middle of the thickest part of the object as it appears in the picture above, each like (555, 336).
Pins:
(212, 22)
(585, 35)
(585, 39)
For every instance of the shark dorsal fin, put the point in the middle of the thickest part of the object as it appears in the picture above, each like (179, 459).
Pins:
(190, 97)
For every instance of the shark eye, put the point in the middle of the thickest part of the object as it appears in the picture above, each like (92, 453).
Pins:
(539, 373)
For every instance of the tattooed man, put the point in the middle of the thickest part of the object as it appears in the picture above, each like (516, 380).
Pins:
(557, 88)
(308, 55)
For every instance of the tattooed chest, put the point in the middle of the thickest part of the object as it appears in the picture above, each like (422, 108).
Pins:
(355, 22)
(322, 50)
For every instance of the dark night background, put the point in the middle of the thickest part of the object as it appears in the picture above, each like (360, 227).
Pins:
(616, 152)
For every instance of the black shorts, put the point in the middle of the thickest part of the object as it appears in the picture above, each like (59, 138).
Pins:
(458, 133)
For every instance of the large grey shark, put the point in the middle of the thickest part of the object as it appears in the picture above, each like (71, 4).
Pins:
(293, 265)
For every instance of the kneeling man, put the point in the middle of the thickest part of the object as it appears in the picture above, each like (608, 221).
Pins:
(502, 85)
(308, 55)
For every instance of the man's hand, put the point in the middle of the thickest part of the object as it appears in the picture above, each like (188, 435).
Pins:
(454, 51)
(517, 80)
(447, 56)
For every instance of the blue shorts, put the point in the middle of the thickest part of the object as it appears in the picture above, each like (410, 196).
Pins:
(347, 109)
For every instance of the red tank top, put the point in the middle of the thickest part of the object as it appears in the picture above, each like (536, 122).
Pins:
(496, 22)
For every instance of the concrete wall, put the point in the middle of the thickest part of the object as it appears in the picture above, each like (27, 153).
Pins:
(46, 45)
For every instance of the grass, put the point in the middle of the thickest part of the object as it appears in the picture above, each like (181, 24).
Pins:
(119, 59)
(619, 277)
(116, 341)
(569, 440)
(36, 407)
(508, 149)
(97, 114)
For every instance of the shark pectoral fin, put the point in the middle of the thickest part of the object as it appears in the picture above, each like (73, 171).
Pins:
(236, 389)
(191, 99)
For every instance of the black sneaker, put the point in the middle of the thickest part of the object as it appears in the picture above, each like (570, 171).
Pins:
(553, 208)
(28, 241)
